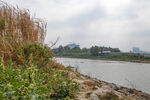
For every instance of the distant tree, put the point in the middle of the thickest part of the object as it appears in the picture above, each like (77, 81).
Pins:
(115, 50)
(94, 50)
(60, 49)
(76, 49)
(66, 48)
(85, 50)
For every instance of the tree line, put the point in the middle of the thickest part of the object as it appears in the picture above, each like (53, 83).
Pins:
(94, 50)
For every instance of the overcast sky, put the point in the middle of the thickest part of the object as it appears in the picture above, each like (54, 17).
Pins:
(116, 23)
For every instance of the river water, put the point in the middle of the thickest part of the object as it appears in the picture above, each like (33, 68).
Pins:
(132, 75)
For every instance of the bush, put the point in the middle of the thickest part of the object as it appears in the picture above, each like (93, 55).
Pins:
(32, 83)
(20, 53)
(63, 87)
(41, 54)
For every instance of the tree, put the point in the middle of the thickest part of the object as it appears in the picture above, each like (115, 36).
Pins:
(66, 48)
(76, 49)
(116, 50)
(85, 50)
(60, 49)
(94, 50)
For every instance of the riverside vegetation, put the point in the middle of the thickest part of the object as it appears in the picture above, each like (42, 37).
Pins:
(94, 53)
(28, 71)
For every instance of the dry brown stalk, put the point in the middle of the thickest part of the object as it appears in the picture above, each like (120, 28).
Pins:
(17, 25)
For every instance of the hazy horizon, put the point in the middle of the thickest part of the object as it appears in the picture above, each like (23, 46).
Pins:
(116, 23)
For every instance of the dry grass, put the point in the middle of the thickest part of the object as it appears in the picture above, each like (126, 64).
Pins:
(20, 25)
(17, 26)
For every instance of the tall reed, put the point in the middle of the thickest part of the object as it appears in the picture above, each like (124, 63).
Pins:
(17, 27)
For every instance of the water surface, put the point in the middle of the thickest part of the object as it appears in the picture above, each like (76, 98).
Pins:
(132, 75)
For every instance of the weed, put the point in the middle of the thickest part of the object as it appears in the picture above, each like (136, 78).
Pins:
(32, 82)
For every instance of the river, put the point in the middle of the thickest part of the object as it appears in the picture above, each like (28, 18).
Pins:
(128, 74)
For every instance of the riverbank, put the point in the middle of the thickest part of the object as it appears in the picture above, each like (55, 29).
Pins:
(122, 73)
(97, 53)
(100, 58)
(94, 89)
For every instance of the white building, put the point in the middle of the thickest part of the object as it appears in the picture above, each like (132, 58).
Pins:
(104, 52)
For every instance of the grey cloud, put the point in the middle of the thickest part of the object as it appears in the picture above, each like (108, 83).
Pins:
(79, 24)
(87, 17)
(80, 20)
(130, 12)
(142, 34)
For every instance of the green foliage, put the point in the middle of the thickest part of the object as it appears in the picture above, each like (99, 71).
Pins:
(60, 49)
(93, 53)
(18, 83)
(41, 54)
(94, 50)
(76, 50)
(115, 50)
(63, 87)
(31, 83)
(2, 24)
(66, 48)
(20, 52)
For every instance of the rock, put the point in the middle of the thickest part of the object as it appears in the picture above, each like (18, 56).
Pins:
(124, 91)
(106, 87)
(131, 91)
(88, 94)
(95, 88)
(72, 75)
(94, 97)
(82, 77)
(89, 84)
(102, 92)
(113, 86)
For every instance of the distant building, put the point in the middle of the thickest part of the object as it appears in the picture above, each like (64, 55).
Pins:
(136, 50)
(104, 52)
(73, 45)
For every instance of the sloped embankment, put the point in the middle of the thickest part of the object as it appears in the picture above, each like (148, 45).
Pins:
(94, 89)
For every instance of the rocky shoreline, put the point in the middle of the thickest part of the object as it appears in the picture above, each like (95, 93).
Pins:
(94, 89)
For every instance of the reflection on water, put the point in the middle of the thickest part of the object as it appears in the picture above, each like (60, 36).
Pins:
(134, 75)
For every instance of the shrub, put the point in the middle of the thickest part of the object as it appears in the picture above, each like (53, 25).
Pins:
(63, 87)
(33, 83)
(41, 54)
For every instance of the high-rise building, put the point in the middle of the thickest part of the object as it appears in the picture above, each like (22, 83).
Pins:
(136, 50)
